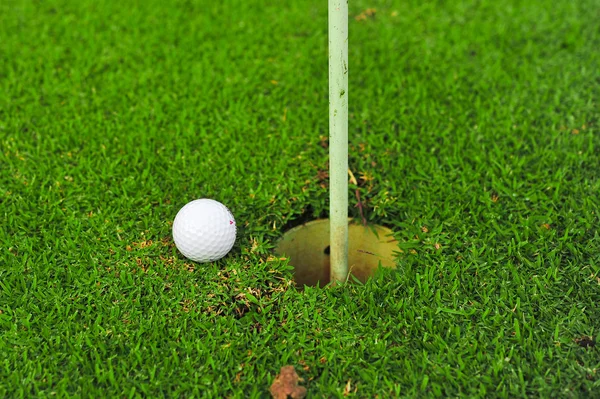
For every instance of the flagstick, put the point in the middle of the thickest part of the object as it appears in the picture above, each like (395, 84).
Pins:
(338, 139)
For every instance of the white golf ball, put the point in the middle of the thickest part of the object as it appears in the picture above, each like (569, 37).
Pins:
(204, 230)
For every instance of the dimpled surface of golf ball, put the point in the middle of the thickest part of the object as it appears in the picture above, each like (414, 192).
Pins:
(204, 230)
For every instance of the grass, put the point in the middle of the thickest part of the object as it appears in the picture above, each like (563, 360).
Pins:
(474, 136)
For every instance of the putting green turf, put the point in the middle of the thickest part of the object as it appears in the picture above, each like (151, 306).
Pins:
(474, 130)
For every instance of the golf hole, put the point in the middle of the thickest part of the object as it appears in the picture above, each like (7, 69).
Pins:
(307, 247)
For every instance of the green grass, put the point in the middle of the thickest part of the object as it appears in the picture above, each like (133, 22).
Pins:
(474, 126)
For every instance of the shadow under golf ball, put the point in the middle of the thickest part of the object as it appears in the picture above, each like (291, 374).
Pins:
(307, 247)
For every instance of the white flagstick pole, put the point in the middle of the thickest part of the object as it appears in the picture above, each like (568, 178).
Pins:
(338, 138)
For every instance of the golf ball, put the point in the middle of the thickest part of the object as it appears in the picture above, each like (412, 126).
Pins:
(204, 230)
